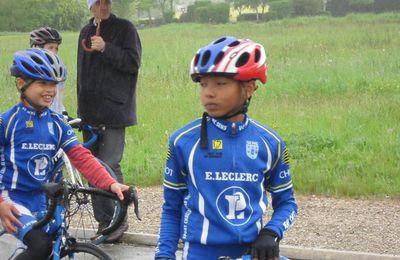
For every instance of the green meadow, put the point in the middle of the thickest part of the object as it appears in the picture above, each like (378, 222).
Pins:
(333, 94)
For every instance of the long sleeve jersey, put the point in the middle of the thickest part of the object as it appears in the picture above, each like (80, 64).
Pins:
(216, 196)
(28, 143)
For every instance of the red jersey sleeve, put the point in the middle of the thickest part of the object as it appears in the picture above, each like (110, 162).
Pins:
(88, 165)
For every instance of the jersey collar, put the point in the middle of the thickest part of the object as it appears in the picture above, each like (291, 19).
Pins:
(231, 128)
(31, 111)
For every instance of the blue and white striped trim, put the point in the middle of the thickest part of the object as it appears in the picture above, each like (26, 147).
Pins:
(175, 186)
(282, 187)
(206, 222)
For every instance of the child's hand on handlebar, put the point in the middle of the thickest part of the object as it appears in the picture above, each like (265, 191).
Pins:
(131, 195)
(8, 217)
(118, 189)
(266, 246)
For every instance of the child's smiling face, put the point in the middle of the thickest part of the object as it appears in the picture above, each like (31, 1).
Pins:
(40, 93)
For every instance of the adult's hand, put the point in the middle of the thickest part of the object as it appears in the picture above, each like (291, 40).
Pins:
(98, 43)
(8, 217)
(266, 246)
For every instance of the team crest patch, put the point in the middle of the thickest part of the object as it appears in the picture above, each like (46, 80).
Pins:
(252, 149)
(50, 126)
(217, 144)
(29, 124)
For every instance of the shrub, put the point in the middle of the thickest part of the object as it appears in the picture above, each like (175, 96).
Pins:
(361, 6)
(280, 9)
(338, 7)
(247, 17)
(219, 12)
(386, 5)
(271, 15)
(169, 16)
(191, 11)
(212, 13)
(307, 7)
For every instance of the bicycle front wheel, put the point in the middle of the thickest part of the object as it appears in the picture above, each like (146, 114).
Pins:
(82, 218)
(85, 251)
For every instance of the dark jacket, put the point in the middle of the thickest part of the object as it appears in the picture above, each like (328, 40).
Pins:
(106, 81)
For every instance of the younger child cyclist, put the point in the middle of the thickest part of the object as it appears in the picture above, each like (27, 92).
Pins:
(30, 136)
(219, 168)
(49, 39)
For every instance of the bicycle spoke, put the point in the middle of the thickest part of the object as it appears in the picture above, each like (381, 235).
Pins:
(80, 217)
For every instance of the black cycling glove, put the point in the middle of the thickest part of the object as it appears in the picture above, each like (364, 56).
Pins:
(266, 246)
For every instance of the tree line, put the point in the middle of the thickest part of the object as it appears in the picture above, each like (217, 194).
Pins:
(25, 15)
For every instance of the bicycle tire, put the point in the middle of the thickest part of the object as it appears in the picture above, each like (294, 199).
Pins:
(80, 216)
(85, 251)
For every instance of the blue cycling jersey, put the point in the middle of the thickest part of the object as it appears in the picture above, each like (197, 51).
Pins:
(28, 142)
(216, 196)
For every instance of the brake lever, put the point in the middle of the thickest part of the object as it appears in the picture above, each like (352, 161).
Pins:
(131, 196)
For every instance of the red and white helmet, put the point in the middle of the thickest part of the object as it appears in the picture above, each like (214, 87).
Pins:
(240, 59)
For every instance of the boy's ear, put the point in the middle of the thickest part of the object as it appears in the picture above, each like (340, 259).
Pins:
(19, 83)
(251, 86)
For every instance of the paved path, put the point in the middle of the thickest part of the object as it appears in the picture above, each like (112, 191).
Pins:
(119, 251)
(141, 247)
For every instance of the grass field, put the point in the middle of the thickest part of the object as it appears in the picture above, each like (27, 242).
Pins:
(333, 95)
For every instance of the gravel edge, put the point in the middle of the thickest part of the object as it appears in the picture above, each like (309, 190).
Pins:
(361, 225)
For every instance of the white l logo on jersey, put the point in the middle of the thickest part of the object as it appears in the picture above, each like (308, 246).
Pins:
(234, 205)
(237, 204)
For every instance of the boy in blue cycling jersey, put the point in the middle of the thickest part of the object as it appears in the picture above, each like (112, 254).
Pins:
(220, 167)
(30, 136)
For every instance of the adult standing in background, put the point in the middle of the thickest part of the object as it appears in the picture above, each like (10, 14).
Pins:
(106, 85)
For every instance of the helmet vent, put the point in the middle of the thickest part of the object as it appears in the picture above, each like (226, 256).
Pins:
(220, 40)
(47, 73)
(219, 57)
(49, 58)
(235, 43)
(257, 55)
(243, 59)
(206, 58)
(196, 59)
(36, 60)
(28, 67)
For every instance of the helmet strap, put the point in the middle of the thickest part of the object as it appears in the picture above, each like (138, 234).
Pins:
(242, 110)
(25, 87)
(203, 132)
(203, 129)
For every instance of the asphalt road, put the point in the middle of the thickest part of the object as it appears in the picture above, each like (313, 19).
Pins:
(117, 251)
(135, 252)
